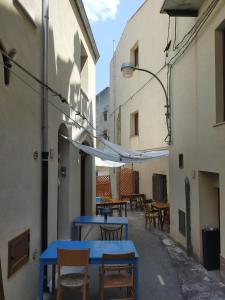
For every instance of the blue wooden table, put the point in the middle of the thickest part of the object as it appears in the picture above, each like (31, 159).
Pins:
(97, 248)
(82, 220)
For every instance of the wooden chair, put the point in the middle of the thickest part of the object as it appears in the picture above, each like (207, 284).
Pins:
(151, 215)
(72, 258)
(114, 276)
(113, 207)
(111, 232)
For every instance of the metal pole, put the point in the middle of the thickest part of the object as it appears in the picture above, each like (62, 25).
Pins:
(167, 106)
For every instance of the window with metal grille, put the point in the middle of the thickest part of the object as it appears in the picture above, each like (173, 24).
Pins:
(182, 222)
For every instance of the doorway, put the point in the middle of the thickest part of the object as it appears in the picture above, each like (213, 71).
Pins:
(86, 182)
(82, 184)
(63, 196)
(209, 202)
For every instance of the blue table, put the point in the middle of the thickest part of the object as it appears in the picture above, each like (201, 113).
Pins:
(97, 248)
(81, 220)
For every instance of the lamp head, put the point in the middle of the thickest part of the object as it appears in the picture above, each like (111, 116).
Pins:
(127, 69)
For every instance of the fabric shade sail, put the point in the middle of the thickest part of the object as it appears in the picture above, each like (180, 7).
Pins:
(107, 163)
(116, 153)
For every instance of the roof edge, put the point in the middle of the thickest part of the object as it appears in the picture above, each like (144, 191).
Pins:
(80, 6)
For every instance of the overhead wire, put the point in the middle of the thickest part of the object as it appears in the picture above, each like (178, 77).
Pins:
(50, 101)
(35, 78)
(194, 33)
(137, 91)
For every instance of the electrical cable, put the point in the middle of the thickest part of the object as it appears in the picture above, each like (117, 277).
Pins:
(136, 92)
(175, 34)
(55, 93)
(207, 14)
(197, 23)
(50, 102)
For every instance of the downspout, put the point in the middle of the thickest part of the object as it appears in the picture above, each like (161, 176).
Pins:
(188, 216)
(44, 183)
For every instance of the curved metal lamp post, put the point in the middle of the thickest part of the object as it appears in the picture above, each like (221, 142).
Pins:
(128, 69)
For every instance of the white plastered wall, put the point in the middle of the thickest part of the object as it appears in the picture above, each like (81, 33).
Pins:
(147, 29)
(194, 133)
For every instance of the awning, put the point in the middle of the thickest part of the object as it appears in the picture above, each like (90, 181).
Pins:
(107, 163)
(116, 153)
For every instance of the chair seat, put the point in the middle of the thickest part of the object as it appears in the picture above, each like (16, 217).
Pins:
(73, 280)
(118, 280)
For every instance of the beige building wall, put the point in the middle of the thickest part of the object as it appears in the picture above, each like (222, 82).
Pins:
(196, 132)
(147, 29)
(20, 119)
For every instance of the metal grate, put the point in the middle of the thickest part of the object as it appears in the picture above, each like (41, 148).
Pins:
(182, 222)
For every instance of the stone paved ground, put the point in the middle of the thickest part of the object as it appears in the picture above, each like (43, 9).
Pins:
(196, 282)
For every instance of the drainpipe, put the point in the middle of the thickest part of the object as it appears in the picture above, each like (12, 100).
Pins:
(45, 153)
(188, 216)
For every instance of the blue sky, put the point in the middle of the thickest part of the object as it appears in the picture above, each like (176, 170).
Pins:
(108, 19)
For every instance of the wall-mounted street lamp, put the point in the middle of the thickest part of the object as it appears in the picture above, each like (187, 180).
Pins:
(128, 69)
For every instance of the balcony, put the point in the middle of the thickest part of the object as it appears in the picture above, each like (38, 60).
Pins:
(181, 8)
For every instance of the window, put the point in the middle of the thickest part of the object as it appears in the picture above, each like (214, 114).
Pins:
(135, 55)
(105, 115)
(181, 161)
(105, 134)
(220, 73)
(134, 129)
(84, 69)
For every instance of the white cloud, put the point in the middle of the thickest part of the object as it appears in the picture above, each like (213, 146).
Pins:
(101, 10)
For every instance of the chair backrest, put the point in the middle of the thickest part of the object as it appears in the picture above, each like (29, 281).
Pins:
(106, 199)
(112, 256)
(111, 233)
(107, 259)
(73, 257)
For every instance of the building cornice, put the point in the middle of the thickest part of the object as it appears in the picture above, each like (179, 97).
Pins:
(80, 7)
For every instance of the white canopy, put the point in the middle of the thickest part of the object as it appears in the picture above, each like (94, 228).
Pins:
(107, 163)
(115, 153)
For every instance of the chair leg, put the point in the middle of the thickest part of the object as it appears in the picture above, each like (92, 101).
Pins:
(59, 293)
(101, 291)
(85, 292)
(154, 223)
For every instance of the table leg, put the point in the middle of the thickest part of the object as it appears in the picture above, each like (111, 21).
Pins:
(126, 231)
(125, 209)
(137, 287)
(73, 234)
(41, 282)
(80, 232)
(53, 279)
